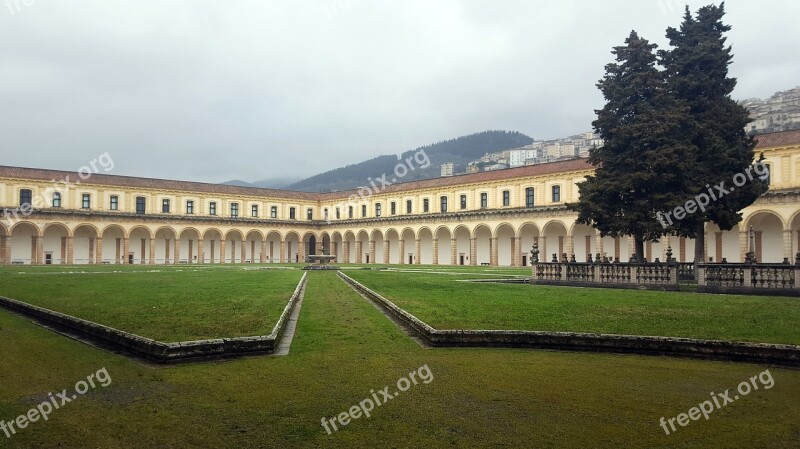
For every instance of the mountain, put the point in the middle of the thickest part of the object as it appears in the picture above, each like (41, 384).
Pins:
(459, 151)
(276, 183)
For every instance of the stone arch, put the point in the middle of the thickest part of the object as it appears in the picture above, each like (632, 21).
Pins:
(362, 247)
(393, 239)
(310, 245)
(408, 245)
(584, 241)
(444, 251)
(274, 241)
(255, 247)
(165, 239)
(325, 243)
(349, 250)
(140, 243)
(527, 234)
(553, 241)
(463, 237)
(56, 244)
(292, 240)
(425, 237)
(483, 244)
(506, 240)
(212, 246)
(768, 241)
(234, 246)
(189, 249)
(113, 244)
(337, 246)
(25, 243)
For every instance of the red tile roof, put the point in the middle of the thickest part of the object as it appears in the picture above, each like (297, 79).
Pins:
(779, 139)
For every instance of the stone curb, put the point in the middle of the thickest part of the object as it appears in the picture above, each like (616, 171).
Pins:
(774, 354)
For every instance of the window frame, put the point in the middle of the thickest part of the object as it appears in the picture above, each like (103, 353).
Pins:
(113, 202)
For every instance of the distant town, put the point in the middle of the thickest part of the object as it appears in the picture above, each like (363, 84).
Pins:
(780, 112)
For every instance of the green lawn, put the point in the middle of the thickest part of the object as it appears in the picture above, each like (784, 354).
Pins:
(163, 303)
(445, 303)
(343, 349)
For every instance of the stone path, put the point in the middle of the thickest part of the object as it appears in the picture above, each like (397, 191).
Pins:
(288, 335)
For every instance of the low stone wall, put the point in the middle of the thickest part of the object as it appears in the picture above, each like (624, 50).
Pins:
(574, 341)
(157, 351)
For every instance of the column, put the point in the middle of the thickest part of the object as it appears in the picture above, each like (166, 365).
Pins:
(402, 252)
(143, 251)
(71, 249)
(98, 254)
(570, 246)
(372, 251)
(759, 252)
(91, 251)
(665, 245)
(272, 252)
(301, 251)
(561, 248)
(177, 251)
(798, 241)
(346, 252)
(648, 251)
(201, 255)
(335, 251)
(544, 256)
(598, 244)
(38, 248)
(191, 251)
(166, 251)
(3, 244)
(417, 252)
(222, 251)
(385, 252)
(243, 256)
(493, 252)
(63, 254)
(213, 258)
(253, 251)
(263, 258)
(718, 243)
(453, 251)
(283, 251)
(359, 256)
(436, 251)
(117, 252)
(473, 251)
(744, 246)
(787, 245)
(151, 249)
(233, 251)
(682, 250)
(125, 250)
(514, 253)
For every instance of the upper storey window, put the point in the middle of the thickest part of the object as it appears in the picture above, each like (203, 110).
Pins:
(140, 205)
(25, 198)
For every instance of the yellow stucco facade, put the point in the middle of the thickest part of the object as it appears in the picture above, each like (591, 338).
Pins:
(478, 219)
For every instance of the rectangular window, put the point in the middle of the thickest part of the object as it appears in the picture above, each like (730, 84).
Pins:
(292, 213)
(463, 201)
(273, 212)
(484, 200)
(56, 199)
(529, 197)
(164, 206)
(254, 211)
(426, 205)
(378, 209)
(393, 207)
(506, 198)
(25, 198)
(86, 201)
(338, 213)
(212, 208)
(443, 204)
(234, 210)
(408, 206)
(769, 174)
(363, 211)
(190, 207)
(140, 205)
(556, 194)
(350, 212)
(114, 202)
(325, 213)
(310, 214)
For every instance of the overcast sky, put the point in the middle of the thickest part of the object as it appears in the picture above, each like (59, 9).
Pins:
(219, 90)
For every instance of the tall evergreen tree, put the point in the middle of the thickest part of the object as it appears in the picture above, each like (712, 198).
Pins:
(697, 74)
(641, 168)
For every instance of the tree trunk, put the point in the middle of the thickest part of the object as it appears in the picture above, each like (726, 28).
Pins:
(639, 250)
(700, 244)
